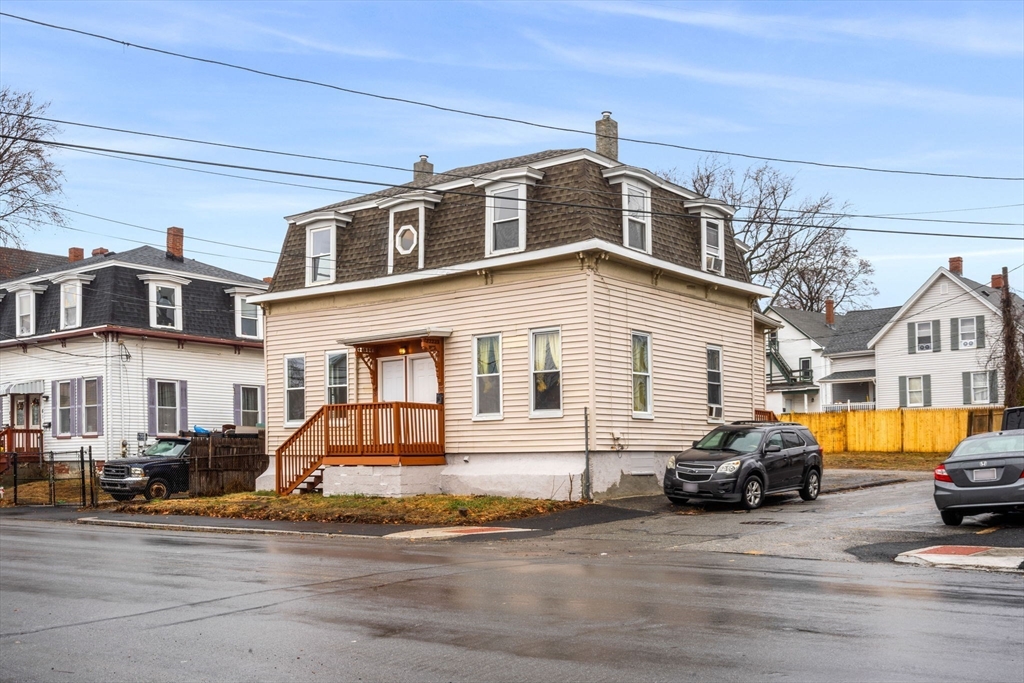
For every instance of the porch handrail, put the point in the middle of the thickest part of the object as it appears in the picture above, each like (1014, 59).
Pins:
(18, 440)
(301, 453)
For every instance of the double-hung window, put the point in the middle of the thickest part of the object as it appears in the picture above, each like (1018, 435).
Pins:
(642, 375)
(546, 373)
(294, 390)
(714, 369)
(636, 224)
(506, 219)
(167, 406)
(91, 406)
(924, 336)
(487, 376)
(25, 303)
(165, 300)
(320, 255)
(712, 238)
(70, 305)
(166, 306)
(968, 333)
(248, 318)
(915, 391)
(337, 377)
(980, 387)
(250, 406)
(64, 408)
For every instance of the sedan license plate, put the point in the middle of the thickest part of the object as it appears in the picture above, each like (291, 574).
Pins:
(690, 487)
(985, 475)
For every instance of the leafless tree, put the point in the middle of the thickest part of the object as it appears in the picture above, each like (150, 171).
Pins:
(1005, 346)
(795, 246)
(30, 181)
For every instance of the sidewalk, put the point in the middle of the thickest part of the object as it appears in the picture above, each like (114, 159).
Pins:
(967, 557)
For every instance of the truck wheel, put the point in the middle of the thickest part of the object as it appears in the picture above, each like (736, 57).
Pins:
(157, 488)
(122, 497)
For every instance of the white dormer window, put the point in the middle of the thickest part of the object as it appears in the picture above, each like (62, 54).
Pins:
(71, 298)
(248, 316)
(320, 255)
(712, 232)
(506, 219)
(26, 311)
(636, 221)
(165, 300)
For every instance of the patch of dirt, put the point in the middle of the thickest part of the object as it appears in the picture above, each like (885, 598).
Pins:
(919, 462)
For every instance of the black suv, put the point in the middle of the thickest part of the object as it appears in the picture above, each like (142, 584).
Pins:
(161, 470)
(742, 461)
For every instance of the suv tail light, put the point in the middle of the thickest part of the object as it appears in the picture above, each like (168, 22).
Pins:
(941, 475)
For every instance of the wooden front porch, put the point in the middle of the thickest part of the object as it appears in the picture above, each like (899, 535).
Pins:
(25, 442)
(379, 433)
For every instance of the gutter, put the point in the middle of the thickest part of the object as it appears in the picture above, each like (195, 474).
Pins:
(134, 332)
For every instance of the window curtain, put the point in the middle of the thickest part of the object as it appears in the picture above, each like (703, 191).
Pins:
(547, 351)
(487, 356)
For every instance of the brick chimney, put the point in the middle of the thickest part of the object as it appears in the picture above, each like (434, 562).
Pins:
(422, 168)
(75, 254)
(269, 280)
(176, 243)
(956, 265)
(997, 281)
(100, 251)
(830, 312)
(606, 131)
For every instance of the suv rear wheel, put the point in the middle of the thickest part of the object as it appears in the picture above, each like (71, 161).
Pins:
(812, 486)
(753, 493)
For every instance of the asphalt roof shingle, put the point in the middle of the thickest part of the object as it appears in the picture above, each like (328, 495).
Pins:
(852, 331)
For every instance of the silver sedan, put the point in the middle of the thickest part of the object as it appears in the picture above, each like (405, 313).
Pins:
(985, 473)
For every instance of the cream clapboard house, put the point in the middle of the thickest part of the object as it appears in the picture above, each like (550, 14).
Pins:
(505, 328)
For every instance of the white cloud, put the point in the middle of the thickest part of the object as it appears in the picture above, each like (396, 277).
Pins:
(961, 34)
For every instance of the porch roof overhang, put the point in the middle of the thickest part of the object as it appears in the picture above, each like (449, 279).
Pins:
(390, 337)
(34, 387)
(849, 376)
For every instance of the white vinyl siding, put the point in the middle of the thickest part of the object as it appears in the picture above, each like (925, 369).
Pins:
(487, 377)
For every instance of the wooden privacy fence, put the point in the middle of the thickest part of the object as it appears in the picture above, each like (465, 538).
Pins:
(910, 430)
(226, 464)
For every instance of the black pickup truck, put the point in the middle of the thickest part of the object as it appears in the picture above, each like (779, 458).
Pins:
(161, 470)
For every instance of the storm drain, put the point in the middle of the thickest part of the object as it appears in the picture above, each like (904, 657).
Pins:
(763, 522)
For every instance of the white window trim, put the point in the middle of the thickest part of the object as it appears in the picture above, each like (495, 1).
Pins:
(97, 406)
(921, 404)
(19, 303)
(177, 406)
(960, 333)
(704, 244)
(398, 239)
(171, 282)
(70, 408)
(260, 418)
(239, 300)
(561, 375)
(76, 290)
(290, 424)
(327, 376)
(332, 258)
(646, 189)
(500, 415)
(987, 385)
(649, 414)
(917, 336)
(721, 383)
(490, 191)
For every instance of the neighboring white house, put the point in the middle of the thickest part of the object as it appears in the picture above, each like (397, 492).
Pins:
(96, 351)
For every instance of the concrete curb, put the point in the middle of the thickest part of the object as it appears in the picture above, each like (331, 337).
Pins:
(96, 521)
(866, 485)
(985, 558)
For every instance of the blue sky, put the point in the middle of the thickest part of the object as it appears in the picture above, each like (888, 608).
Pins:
(926, 86)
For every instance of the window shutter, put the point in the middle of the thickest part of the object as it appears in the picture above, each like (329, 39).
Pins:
(54, 401)
(903, 392)
(979, 332)
(263, 404)
(151, 401)
(183, 405)
(993, 386)
(911, 338)
(968, 394)
(954, 334)
(926, 383)
(99, 406)
(238, 404)
(936, 336)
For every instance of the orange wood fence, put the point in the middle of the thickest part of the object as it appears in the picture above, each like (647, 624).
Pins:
(386, 433)
(901, 430)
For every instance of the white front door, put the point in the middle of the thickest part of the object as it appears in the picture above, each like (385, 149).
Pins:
(422, 380)
(392, 379)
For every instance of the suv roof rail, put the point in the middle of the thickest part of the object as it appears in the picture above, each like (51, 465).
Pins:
(756, 422)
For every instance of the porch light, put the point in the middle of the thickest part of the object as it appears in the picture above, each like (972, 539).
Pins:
(402, 350)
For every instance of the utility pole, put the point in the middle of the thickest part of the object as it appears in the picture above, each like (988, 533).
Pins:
(1012, 369)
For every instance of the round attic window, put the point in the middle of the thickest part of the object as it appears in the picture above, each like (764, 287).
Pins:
(405, 240)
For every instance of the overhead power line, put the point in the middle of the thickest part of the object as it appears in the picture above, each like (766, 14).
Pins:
(443, 175)
(495, 117)
(476, 195)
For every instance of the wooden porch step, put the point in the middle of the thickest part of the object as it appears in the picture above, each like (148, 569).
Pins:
(311, 483)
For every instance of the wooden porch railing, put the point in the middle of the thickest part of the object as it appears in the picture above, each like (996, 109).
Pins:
(387, 433)
(24, 442)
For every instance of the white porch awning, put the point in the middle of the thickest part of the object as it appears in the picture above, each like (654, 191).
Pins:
(398, 336)
(37, 386)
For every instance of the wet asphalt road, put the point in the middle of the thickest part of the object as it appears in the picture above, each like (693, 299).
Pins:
(103, 604)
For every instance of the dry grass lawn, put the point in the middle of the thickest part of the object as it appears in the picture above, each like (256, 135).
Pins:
(69, 492)
(921, 462)
(427, 509)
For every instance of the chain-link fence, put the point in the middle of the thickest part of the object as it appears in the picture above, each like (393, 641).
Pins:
(57, 478)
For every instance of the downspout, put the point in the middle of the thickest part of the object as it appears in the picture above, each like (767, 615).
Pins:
(588, 415)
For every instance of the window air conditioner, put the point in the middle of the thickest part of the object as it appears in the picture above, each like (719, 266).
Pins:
(713, 264)
(715, 412)
(967, 344)
(924, 347)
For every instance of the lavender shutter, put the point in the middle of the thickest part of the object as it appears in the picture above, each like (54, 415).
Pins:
(54, 401)
(237, 388)
(263, 405)
(183, 405)
(151, 400)
(99, 406)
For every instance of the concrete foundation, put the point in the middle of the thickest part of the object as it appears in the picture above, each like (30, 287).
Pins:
(268, 480)
(555, 476)
(390, 482)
